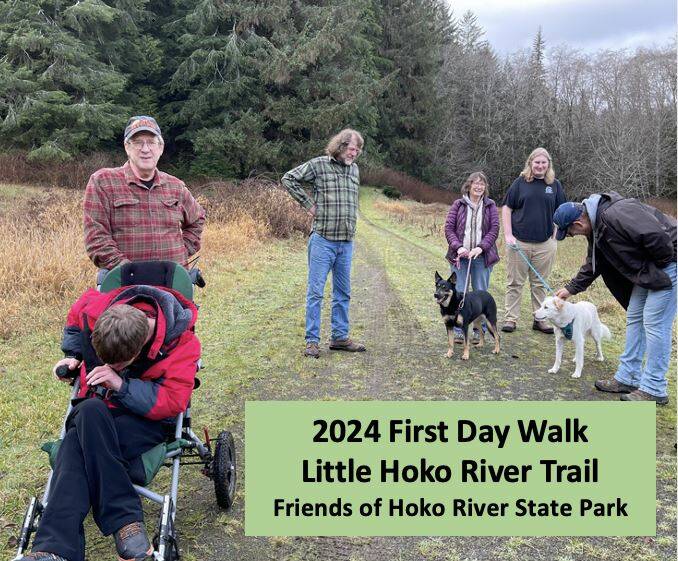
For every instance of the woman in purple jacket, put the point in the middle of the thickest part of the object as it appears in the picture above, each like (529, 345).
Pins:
(471, 229)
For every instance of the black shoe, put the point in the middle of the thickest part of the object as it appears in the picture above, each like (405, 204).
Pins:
(542, 326)
(131, 542)
(509, 326)
(640, 395)
(42, 556)
(614, 386)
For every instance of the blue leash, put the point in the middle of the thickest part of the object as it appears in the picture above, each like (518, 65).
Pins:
(567, 330)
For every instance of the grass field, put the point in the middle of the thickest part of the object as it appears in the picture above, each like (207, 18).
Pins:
(251, 327)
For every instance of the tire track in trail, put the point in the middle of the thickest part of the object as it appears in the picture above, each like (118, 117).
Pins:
(399, 236)
(384, 325)
(337, 376)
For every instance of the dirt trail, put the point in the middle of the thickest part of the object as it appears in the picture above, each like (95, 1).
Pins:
(405, 360)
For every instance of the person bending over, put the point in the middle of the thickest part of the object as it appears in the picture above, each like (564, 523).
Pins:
(633, 247)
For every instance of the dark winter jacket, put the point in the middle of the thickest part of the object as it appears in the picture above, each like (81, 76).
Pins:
(159, 383)
(456, 223)
(630, 244)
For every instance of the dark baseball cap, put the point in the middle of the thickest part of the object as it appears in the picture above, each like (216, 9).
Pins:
(564, 216)
(140, 123)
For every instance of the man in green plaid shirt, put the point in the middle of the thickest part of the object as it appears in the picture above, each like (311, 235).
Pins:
(334, 206)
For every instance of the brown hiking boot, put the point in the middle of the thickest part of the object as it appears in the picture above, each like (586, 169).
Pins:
(640, 395)
(312, 350)
(131, 542)
(509, 326)
(613, 386)
(542, 326)
(347, 345)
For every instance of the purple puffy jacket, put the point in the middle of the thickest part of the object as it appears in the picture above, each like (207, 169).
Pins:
(456, 222)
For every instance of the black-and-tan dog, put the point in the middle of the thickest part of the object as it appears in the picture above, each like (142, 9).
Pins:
(478, 303)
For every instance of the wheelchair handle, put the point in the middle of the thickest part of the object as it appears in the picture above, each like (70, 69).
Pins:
(97, 391)
(64, 372)
(196, 277)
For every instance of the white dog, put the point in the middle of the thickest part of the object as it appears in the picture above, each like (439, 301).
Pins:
(584, 319)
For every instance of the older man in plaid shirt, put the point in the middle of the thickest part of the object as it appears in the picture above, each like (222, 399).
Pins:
(137, 212)
(334, 206)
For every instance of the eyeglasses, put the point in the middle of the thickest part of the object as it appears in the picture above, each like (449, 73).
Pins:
(140, 144)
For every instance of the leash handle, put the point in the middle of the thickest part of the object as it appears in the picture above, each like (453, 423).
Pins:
(529, 264)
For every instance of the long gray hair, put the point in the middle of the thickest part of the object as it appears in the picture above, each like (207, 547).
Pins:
(341, 140)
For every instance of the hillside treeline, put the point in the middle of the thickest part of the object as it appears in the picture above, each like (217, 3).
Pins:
(242, 88)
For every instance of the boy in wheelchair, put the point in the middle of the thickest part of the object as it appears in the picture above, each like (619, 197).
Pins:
(137, 354)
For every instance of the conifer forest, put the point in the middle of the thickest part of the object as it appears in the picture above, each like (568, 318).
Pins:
(251, 87)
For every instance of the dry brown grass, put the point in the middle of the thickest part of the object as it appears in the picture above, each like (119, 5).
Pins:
(44, 264)
(45, 267)
(262, 200)
(235, 237)
(667, 206)
(395, 210)
(429, 218)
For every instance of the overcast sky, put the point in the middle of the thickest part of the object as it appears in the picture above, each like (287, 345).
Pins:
(584, 24)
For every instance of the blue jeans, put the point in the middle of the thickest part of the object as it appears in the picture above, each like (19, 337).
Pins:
(649, 320)
(480, 279)
(480, 274)
(325, 256)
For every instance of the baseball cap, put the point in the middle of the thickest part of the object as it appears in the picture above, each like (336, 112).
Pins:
(141, 123)
(564, 216)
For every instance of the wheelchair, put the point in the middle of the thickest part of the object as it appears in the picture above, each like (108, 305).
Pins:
(182, 446)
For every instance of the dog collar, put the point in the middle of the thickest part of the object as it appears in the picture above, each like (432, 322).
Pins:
(567, 330)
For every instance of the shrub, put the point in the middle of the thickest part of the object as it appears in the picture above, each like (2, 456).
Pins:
(391, 192)
(263, 200)
(407, 185)
(16, 167)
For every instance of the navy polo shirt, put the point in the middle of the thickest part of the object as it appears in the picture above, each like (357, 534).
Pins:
(533, 204)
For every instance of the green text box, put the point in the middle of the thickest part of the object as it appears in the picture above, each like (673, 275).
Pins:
(474, 476)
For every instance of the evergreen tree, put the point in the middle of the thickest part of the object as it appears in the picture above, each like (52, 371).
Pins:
(471, 82)
(263, 84)
(415, 33)
(537, 62)
(470, 33)
(59, 97)
(538, 97)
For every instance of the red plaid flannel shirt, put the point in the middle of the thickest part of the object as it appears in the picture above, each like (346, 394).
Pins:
(126, 220)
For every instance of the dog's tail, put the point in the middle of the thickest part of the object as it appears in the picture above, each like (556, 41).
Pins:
(605, 331)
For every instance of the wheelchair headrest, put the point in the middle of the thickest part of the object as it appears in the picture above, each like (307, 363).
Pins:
(167, 274)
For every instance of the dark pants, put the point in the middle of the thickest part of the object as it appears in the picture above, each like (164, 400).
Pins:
(95, 467)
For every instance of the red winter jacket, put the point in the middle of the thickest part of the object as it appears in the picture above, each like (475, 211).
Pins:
(158, 384)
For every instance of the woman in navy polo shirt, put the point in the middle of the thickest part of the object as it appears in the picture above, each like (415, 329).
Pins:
(527, 216)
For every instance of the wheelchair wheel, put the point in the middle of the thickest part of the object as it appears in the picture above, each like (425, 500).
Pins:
(223, 469)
